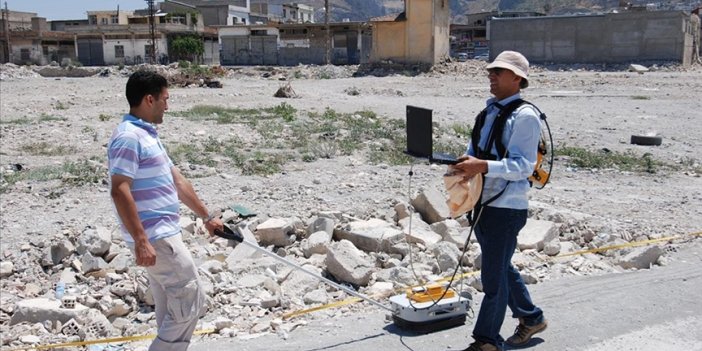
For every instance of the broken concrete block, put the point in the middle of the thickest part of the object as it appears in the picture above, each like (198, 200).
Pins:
(116, 308)
(640, 257)
(123, 288)
(316, 297)
(212, 266)
(70, 328)
(637, 68)
(7, 268)
(316, 243)
(399, 275)
(420, 231)
(431, 204)
(401, 211)
(276, 231)
(321, 224)
(97, 241)
(68, 276)
(453, 232)
(112, 253)
(61, 250)
(187, 225)
(380, 289)
(536, 233)
(95, 325)
(41, 309)
(121, 262)
(446, 255)
(552, 248)
(243, 252)
(298, 283)
(347, 263)
(92, 263)
(30, 339)
(372, 235)
(68, 302)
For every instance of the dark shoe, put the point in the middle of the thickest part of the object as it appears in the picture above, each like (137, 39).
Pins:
(481, 346)
(523, 333)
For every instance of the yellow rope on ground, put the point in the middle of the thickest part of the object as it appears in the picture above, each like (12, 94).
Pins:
(100, 341)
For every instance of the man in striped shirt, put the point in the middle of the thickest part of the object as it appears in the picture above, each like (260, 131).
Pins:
(146, 190)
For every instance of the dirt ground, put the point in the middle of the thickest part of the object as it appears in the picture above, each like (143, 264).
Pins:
(591, 110)
(587, 109)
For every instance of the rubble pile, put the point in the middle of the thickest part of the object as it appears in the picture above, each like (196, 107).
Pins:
(11, 71)
(106, 295)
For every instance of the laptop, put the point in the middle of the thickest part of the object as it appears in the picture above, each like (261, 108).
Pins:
(419, 137)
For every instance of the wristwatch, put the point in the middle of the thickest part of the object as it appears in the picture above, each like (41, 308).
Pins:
(210, 217)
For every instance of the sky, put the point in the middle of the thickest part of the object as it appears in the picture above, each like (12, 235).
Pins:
(70, 9)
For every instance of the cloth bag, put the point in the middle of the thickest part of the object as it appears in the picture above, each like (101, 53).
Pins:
(463, 193)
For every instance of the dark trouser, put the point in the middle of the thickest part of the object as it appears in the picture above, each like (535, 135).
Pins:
(497, 231)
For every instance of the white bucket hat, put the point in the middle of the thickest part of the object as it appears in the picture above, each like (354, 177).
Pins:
(514, 62)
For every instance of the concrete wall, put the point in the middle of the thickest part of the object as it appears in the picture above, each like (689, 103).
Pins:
(389, 41)
(422, 38)
(442, 26)
(133, 48)
(419, 37)
(610, 38)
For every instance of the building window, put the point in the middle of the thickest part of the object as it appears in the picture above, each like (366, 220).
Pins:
(119, 51)
(147, 51)
(255, 32)
(114, 19)
(103, 20)
(92, 19)
(24, 54)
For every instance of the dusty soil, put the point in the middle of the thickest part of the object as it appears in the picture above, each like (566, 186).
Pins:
(587, 109)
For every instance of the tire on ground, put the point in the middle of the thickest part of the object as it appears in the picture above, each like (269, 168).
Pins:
(646, 140)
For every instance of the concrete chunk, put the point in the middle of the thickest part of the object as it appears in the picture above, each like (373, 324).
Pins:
(6, 269)
(97, 241)
(243, 252)
(321, 224)
(276, 231)
(371, 236)
(431, 204)
(536, 233)
(40, 309)
(420, 232)
(316, 244)
(641, 257)
(348, 264)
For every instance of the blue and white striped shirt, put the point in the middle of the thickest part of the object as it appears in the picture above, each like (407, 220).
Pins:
(135, 151)
(521, 138)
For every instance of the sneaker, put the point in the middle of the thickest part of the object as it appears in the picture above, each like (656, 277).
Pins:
(481, 346)
(523, 333)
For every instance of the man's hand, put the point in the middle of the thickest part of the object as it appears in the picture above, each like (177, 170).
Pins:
(212, 224)
(145, 254)
(469, 166)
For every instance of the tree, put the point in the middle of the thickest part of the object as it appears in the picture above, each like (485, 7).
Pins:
(187, 47)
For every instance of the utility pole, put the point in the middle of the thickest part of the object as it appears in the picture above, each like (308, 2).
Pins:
(326, 24)
(6, 29)
(153, 30)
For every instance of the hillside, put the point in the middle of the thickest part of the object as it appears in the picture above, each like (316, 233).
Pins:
(362, 10)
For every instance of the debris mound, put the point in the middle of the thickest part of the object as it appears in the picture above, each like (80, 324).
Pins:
(285, 91)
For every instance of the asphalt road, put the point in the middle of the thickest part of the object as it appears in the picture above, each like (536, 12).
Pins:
(647, 310)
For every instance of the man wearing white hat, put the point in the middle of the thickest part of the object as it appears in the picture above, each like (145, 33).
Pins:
(502, 211)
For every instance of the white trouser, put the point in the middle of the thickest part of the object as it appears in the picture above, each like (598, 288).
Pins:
(177, 292)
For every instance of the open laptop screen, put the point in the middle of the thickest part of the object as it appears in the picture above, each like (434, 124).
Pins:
(419, 131)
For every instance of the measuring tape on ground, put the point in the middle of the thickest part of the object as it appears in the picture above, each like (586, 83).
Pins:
(99, 341)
